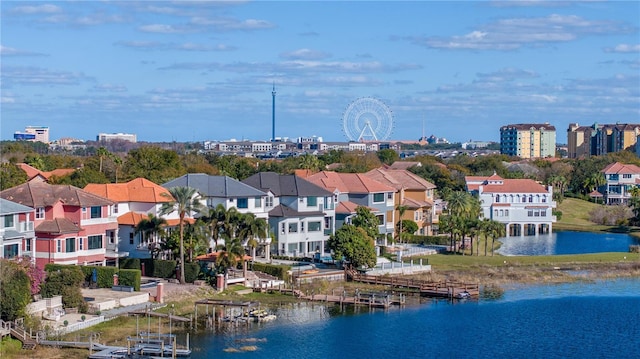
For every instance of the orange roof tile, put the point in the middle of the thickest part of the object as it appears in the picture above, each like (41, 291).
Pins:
(400, 179)
(348, 182)
(131, 218)
(515, 186)
(34, 172)
(136, 190)
(621, 168)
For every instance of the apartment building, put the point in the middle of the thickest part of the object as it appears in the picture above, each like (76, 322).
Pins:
(528, 140)
(600, 139)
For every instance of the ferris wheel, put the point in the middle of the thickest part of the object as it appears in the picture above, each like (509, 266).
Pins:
(367, 119)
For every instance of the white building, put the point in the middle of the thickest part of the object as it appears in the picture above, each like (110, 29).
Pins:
(621, 179)
(116, 136)
(523, 205)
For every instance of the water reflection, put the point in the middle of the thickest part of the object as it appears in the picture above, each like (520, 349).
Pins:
(566, 242)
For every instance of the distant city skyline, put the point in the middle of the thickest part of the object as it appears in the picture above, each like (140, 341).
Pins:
(198, 71)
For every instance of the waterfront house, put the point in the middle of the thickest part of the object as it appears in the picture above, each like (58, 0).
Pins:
(35, 175)
(133, 202)
(620, 180)
(523, 205)
(301, 214)
(17, 235)
(72, 226)
(413, 193)
(360, 190)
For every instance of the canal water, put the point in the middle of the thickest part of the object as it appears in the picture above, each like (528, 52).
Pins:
(578, 320)
(566, 242)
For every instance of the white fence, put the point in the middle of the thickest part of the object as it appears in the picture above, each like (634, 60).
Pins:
(80, 325)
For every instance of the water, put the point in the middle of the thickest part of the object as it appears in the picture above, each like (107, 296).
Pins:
(578, 320)
(566, 242)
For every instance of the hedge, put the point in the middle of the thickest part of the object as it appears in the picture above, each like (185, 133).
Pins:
(191, 271)
(162, 269)
(276, 270)
(130, 277)
(441, 240)
(130, 263)
(105, 275)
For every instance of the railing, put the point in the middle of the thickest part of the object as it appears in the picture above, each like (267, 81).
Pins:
(25, 226)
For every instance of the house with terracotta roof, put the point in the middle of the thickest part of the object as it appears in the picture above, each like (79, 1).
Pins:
(35, 175)
(301, 214)
(621, 179)
(16, 230)
(351, 190)
(134, 201)
(414, 193)
(72, 226)
(523, 205)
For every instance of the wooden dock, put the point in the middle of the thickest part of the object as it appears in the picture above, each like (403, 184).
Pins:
(370, 299)
(425, 288)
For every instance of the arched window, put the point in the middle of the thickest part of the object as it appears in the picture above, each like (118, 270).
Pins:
(497, 198)
(530, 198)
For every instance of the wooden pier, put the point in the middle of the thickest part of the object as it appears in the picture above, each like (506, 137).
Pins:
(425, 288)
(371, 299)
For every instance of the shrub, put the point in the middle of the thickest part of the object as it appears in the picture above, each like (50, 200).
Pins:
(191, 271)
(163, 269)
(130, 263)
(557, 213)
(105, 275)
(15, 290)
(130, 277)
(276, 270)
(65, 282)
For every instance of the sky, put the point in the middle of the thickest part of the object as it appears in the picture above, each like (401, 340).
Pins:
(204, 70)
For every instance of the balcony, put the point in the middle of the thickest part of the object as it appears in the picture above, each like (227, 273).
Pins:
(25, 226)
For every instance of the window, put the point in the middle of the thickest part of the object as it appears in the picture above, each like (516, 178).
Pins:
(80, 244)
(95, 242)
(497, 198)
(59, 246)
(268, 202)
(380, 218)
(506, 212)
(327, 222)
(258, 202)
(8, 221)
(70, 245)
(530, 199)
(626, 175)
(28, 245)
(96, 212)
(543, 213)
(530, 213)
(378, 197)
(115, 208)
(282, 228)
(315, 226)
(243, 203)
(131, 238)
(40, 213)
(495, 213)
(389, 195)
(302, 226)
(293, 227)
(312, 201)
(11, 251)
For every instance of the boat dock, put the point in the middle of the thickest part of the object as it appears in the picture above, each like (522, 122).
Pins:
(425, 288)
(370, 299)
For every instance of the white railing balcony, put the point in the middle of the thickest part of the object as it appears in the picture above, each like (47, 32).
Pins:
(25, 226)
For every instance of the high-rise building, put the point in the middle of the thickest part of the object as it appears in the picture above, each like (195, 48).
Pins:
(116, 136)
(528, 140)
(597, 139)
(33, 133)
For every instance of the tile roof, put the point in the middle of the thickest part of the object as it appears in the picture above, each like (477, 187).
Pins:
(349, 182)
(43, 195)
(9, 207)
(284, 211)
(34, 172)
(400, 179)
(131, 218)
(285, 185)
(348, 207)
(404, 165)
(515, 186)
(621, 168)
(215, 186)
(137, 190)
(58, 226)
(414, 204)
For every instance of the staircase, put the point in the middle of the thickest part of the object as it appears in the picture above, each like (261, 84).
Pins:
(28, 343)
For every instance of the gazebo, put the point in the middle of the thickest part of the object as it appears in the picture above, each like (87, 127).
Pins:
(213, 258)
(595, 195)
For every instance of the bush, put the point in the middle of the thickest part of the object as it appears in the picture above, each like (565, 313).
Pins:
(276, 270)
(191, 271)
(15, 290)
(148, 266)
(105, 275)
(424, 240)
(557, 213)
(163, 269)
(130, 263)
(130, 277)
(65, 282)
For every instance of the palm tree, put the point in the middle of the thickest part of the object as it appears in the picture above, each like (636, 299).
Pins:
(184, 200)
(151, 228)
(485, 229)
(593, 182)
(401, 210)
(251, 228)
(102, 153)
(232, 252)
(497, 230)
(218, 221)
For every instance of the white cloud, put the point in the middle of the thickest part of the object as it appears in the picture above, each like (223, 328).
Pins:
(305, 54)
(10, 51)
(36, 9)
(161, 28)
(624, 48)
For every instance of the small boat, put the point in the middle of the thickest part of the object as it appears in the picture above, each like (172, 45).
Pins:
(463, 295)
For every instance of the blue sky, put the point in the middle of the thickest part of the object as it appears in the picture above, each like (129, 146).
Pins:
(198, 70)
